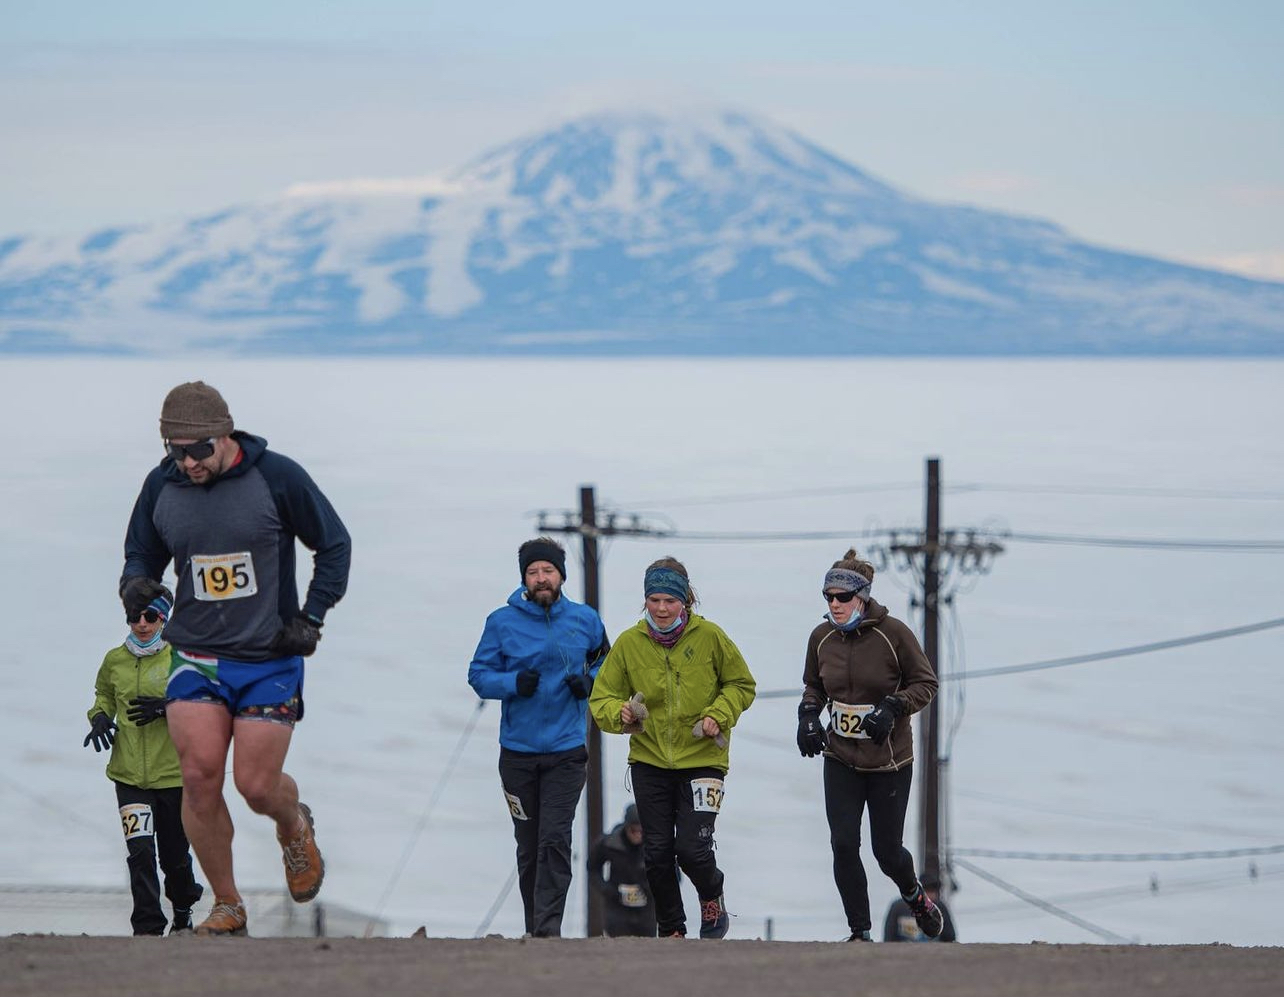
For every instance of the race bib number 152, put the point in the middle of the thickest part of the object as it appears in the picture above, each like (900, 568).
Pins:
(223, 576)
(706, 795)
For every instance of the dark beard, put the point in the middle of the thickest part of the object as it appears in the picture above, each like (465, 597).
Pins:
(544, 597)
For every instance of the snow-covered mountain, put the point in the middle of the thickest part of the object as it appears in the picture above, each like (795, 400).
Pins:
(621, 233)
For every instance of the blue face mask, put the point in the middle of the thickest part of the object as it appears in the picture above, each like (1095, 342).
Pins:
(677, 622)
(851, 624)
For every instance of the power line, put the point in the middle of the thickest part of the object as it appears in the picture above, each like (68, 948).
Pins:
(1170, 888)
(1124, 491)
(423, 818)
(828, 490)
(1079, 659)
(1043, 905)
(964, 488)
(1225, 853)
(1234, 546)
(1145, 543)
(1122, 652)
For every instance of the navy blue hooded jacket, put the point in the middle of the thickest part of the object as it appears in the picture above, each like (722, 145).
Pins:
(242, 524)
(566, 639)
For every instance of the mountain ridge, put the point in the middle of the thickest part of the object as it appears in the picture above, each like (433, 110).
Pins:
(721, 234)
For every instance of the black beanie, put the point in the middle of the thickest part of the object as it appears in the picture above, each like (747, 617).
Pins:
(541, 549)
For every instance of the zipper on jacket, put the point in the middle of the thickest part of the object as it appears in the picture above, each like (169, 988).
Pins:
(672, 676)
(142, 739)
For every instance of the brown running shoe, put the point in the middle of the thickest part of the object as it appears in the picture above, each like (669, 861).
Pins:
(304, 867)
(227, 917)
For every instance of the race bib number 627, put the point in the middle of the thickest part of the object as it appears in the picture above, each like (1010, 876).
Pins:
(223, 576)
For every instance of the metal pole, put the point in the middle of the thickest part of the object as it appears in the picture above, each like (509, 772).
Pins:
(595, 918)
(930, 798)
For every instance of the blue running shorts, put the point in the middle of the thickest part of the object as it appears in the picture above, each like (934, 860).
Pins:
(253, 690)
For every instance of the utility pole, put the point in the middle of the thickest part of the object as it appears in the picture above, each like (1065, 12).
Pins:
(930, 787)
(589, 529)
(933, 557)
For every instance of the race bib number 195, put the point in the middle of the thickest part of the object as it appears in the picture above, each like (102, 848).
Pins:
(223, 576)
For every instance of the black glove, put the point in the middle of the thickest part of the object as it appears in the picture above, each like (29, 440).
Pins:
(527, 681)
(580, 685)
(100, 732)
(145, 709)
(137, 593)
(879, 721)
(812, 739)
(299, 636)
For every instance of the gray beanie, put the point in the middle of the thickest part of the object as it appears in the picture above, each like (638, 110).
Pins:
(194, 411)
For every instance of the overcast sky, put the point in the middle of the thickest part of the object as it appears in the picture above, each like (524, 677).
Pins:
(1143, 125)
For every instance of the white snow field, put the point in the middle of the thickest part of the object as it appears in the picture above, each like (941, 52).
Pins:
(436, 466)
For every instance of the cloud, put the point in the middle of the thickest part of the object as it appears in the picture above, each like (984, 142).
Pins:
(847, 73)
(1257, 195)
(367, 186)
(1262, 266)
(994, 183)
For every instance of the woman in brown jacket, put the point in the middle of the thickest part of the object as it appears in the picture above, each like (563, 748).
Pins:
(869, 670)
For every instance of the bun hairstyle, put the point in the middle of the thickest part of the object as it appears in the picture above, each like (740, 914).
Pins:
(851, 574)
(854, 562)
(673, 564)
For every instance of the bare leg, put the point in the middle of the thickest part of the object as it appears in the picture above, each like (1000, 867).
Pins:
(257, 765)
(202, 733)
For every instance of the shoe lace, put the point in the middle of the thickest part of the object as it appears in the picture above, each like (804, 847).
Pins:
(295, 855)
(711, 910)
(230, 911)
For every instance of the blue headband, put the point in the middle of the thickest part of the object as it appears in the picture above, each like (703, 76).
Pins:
(665, 581)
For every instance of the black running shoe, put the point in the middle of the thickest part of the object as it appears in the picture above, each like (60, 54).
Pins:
(927, 915)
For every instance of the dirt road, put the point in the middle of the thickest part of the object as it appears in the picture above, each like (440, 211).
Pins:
(54, 965)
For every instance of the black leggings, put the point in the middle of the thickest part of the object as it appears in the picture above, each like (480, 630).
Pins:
(847, 792)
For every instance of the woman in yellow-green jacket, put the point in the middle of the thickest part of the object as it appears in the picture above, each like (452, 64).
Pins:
(694, 684)
(128, 716)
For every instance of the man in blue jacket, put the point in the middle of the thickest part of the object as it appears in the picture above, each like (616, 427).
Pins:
(538, 656)
(227, 511)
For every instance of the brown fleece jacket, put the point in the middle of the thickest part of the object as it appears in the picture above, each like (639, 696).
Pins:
(881, 657)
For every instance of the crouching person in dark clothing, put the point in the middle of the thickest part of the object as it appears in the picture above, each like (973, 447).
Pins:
(619, 873)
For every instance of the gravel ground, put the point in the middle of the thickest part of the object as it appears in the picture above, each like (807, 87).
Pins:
(49, 965)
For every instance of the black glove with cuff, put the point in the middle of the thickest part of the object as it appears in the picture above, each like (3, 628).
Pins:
(137, 593)
(299, 636)
(812, 738)
(101, 732)
(580, 685)
(527, 682)
(879, 721)
(145, 709)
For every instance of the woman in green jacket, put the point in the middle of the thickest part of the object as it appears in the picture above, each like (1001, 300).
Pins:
(677, 684)
(128, 716)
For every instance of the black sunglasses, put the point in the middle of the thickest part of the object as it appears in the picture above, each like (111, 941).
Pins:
(150, 615)
(840, 596)
(197, 451)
